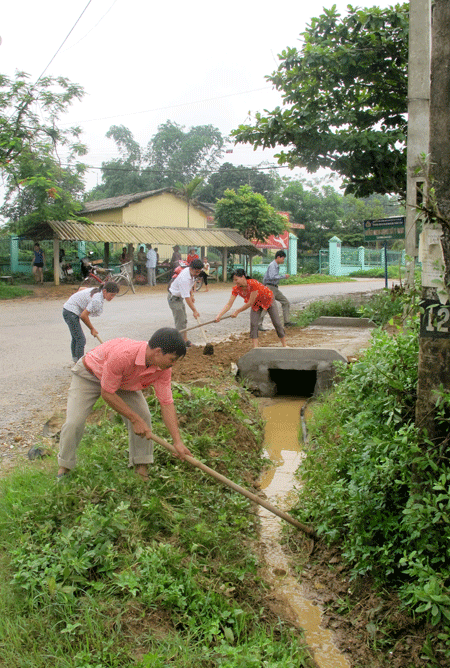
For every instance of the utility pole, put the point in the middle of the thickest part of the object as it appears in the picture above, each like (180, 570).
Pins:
(434, 351)
(419, 58)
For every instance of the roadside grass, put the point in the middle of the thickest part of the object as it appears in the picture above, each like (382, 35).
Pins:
(306, 279)
(8, 291)
(103, 570)
(380, 307)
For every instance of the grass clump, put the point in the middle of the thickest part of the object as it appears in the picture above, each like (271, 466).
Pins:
(381, 307)
(104, 570)
(8, 291)
(371, 486)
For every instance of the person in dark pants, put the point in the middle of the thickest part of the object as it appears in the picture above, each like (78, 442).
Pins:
(38, 263)
(181, 290)
(81, 306)
(272, 278)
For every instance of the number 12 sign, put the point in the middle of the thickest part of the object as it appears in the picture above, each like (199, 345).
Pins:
(435, 320)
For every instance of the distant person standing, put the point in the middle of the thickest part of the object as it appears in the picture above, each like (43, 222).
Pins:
(152, 260)
(192, 255)
(181, 290)
(141, 260)
(205, 273)
(38, 263)
(272, 278)
(175, 259)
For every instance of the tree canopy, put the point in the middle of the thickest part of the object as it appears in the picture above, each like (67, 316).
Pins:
(249, 213)
(344, 100)
(173, 155)
(39, 186)
(229, 177)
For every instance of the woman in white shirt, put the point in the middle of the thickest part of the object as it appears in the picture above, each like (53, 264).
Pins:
(81, 306)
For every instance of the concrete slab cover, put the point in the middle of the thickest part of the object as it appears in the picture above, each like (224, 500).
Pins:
(255, 366)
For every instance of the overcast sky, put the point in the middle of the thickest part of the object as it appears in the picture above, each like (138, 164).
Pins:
(142, 63)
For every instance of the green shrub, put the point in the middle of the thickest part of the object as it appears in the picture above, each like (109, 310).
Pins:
(372, 485)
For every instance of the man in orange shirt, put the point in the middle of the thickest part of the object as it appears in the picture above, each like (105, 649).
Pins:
(118, 371)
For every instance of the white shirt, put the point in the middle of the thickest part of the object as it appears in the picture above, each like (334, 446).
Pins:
(151, 259)
(183, 284)
(82, 300)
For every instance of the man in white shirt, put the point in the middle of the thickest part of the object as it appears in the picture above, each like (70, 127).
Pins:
(152, 259)
(181, 290)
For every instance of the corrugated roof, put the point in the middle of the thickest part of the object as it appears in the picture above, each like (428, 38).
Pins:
(71, 230)
(121, 201)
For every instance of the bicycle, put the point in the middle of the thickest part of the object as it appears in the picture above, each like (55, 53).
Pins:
(98, 275)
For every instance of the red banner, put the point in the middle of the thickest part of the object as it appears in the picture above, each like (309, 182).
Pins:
(280, 242)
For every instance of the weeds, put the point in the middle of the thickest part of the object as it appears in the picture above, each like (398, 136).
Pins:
(371, 485)
(105, 571)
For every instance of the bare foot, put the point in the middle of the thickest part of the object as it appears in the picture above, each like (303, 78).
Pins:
(142, 471)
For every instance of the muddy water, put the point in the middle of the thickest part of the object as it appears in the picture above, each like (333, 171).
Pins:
(282, 445)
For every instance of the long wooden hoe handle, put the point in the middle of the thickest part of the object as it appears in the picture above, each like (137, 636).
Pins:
(208, 322)
(237, 488)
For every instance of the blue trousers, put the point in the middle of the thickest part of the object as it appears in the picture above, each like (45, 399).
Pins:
(78, 338)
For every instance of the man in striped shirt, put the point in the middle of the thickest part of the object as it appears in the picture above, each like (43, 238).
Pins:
(118, 371)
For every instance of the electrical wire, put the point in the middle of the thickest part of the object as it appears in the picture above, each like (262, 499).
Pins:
(64, 41)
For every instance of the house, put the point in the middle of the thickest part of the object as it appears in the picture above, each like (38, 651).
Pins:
(163, 218)
(154, 208)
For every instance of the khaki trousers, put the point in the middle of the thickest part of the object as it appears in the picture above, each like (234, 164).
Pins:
(84, 391)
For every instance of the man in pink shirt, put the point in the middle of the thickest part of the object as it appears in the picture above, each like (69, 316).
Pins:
(118, 371)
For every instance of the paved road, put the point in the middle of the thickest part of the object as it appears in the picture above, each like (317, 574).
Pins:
(35, 341)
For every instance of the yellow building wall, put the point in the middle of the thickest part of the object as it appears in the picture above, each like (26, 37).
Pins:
(109, 216)
(165, 210)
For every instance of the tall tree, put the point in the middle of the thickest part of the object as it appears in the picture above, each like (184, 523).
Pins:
(230, 177)
(172, 155)
(344, 100)
(249, 213)
(180, 155)
(38, 185)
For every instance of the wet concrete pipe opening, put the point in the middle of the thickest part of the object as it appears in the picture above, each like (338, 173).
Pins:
(304, 372)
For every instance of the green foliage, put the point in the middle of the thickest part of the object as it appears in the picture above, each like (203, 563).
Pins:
(369, 483)
(339, 111)
(385, 305)
(339, 307)
(380, 308)
(13, 291)
(229, 177)
(249, 213)
(102, 568)
(37, 186)
(173, 155)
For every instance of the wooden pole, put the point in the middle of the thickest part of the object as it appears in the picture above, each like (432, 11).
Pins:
(237, 488)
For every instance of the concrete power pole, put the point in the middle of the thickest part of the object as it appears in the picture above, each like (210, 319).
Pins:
(434, 351)
(419, 58)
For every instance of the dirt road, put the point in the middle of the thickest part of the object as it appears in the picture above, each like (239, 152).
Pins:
(35, 343)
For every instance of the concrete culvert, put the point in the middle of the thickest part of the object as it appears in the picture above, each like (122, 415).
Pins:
(293, 371)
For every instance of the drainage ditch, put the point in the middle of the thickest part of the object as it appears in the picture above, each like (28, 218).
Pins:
(282, 446)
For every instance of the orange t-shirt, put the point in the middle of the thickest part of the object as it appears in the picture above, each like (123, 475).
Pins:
(264, 298)
(190, 258)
